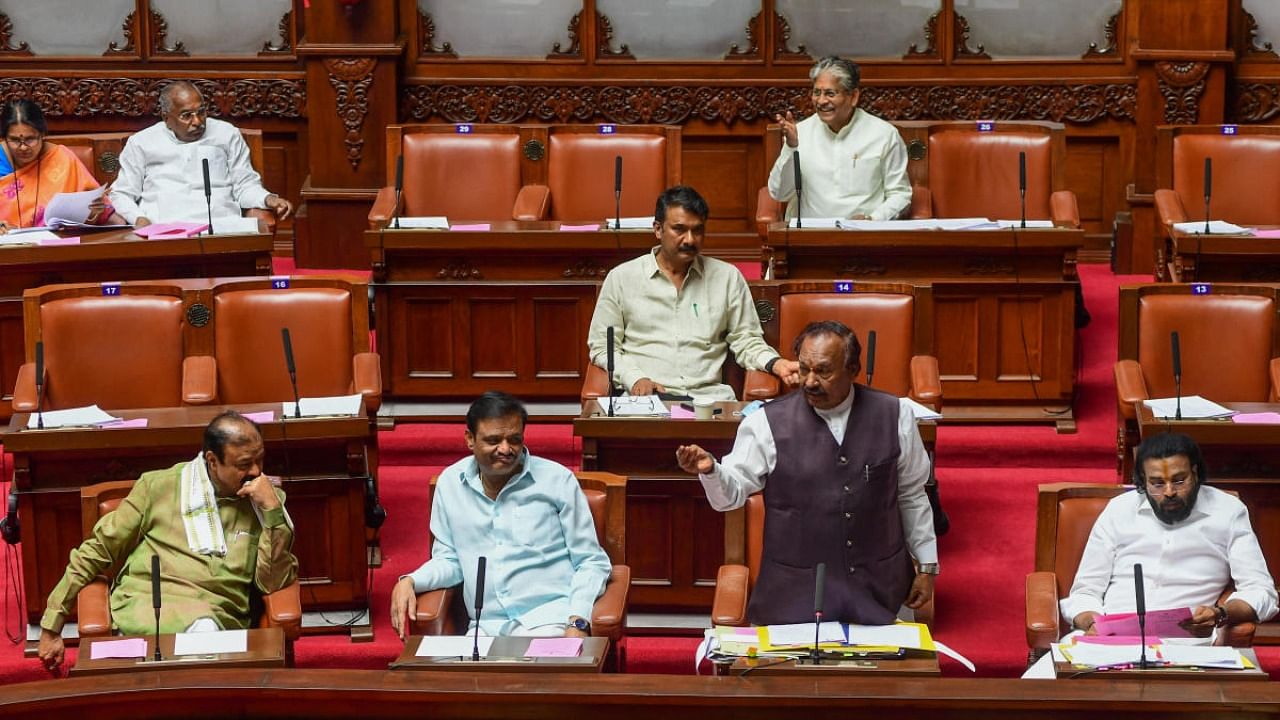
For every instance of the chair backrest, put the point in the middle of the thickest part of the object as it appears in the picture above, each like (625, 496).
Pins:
(755, 537)
(99, 499)
(115, 351)
(1065, 516)
(100, 152)
(580, 169)
(473, 175)
(975, 173)
(1227, 340)
(328, 324)
(1246, 171)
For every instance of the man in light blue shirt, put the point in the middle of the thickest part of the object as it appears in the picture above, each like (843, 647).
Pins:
(528, 516)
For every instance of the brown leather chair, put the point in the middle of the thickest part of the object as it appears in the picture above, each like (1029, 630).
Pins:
(744, 546)
(1065, 514)
(899, 314)
(444, 612)
(124, 350)
(1230, 350)
(282, 609)
(580, 169)
(328, 321)
(476, 175)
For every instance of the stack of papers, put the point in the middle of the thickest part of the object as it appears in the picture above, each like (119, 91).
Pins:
(1160, 623)
(326, 406)
(860, 641)
(170, 230)
(807, 222)
(1193, 407)
(71, 210)
(426, 222)
(1124, 657)
(235, 225)
(633, 405)
(211, 643)
(452, 646)
(71, 417)
(630, 223)
(1216, 227)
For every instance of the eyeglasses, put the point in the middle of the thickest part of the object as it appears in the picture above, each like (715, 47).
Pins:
(23, 142)
(1157, 487)
(830, 94)
(189, 115)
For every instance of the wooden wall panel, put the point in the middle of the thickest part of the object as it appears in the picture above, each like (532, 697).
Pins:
(555, 335)
(1021, 351)
(428, 332)
(955, 338)
(727, 171)
(10, 337)
(493, 323)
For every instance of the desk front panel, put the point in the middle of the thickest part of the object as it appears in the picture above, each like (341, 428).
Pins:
(1220, 258)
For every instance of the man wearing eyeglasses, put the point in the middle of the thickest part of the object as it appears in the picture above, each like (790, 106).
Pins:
(161, 168)
(1191, 539)
(854, 165)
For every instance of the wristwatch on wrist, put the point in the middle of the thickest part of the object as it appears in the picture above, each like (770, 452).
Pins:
(768, 367)
(927, 569)
(582, 625)
(1221, 613)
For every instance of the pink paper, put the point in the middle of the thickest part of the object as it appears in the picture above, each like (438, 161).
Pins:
(171, 230)
(1160, 623)
(554, 647)
(1113, 639)
(579, 228)
(473, 227)
(265, 416)
(679, 413)
(54, 242)
(124, 648)
(119, 424)
(1262, 418)
(1267, 233)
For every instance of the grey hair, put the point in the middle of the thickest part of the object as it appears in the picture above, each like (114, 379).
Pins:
(846, 72)
(173, 88)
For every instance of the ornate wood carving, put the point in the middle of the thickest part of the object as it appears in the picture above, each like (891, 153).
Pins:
(987, 265)
(159, 36)
(755, 30)
(286, 35)
(861, 267)
(459, 269)
(1181, 84)
(1256, 102)
(930, 52)
(782, 38)
(1250, 47)
(427, 35)
(1109, 33)
(131, 33)
(139, 97)
(604, 40)
(575, 40)
(6, 39)
(350, 79)
(962, 48)
(585, 269)
(677, 104)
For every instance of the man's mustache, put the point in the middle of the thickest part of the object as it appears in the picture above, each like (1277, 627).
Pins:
(686, 247)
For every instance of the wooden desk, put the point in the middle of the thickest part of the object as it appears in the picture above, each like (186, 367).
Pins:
(676, 542)
(265, 650)
(1067, 671)
(980, 279)
(459, 313)
(507, 655)
(1192, 257)
(110, 256)
(848, 669)
(323, 469)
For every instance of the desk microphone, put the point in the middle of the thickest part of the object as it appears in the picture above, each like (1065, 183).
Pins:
(617, 193)
(608, 343)
(795, 159)
(208, 192)
(1022, 185)
(475, 646)
(1140, 601)
(395, 215)
(1208, 191)
(819, 581)
(1176, 356)
(871, 356)
(39, 384)
(155, 600)
(293, 371)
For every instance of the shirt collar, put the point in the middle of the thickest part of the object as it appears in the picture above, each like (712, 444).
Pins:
(471, 474)
(651, 263)
(838, 410)
(844, 131)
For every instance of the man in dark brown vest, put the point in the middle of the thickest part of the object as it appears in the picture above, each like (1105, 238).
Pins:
(846, 472)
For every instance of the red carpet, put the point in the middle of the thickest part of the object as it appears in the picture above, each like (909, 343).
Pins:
(987, 474)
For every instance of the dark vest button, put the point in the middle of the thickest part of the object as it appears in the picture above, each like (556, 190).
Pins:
(842, 460)
(848, 543)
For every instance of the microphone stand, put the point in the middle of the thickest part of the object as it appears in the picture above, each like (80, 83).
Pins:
(820, 572)
(795, 158)
(871, 356)
(39, 385)
(475, 643)
(155, 601)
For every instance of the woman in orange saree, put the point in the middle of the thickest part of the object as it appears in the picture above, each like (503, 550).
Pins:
(40, 169)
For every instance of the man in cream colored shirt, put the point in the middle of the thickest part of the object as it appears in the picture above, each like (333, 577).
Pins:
(854, 165)
(676, 313)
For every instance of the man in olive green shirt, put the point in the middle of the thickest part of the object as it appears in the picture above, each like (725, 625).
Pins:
(217, 524)
(676, 314)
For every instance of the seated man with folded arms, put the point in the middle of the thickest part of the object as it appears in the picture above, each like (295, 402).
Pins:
(217, 524)
(676, 313)
(528, 516)
(1191, 539)
(846, 471)
(853, 164)
(161, 174)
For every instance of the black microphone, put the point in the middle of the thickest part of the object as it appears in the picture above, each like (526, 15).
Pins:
(1176, 356)
(795, 158)
(608, 342)
(155, 599)
(39, 384)
(475, 647)
(1022, 185)
(617, 194)
(1139, 597)
(871, 356)
(819, 581)
(208, 192)
(1208, 190)
(395, 216)
(293, 371)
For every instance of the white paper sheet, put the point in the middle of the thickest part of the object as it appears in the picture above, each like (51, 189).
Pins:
(452, 646)
(211, 643)
(630, 223)
(1202, 656)
(1216, 227)
(425, 222)
(1103, 655)
(921, 412)
(233, 225)
(900, 635)
(326, 406)
(633, 405)
(1006, 224)
(949, 652)
(72, 417)
(70, 208)
(1193, 406)
(26, 237)
(802, 634)
(886, 225)
(808, 222)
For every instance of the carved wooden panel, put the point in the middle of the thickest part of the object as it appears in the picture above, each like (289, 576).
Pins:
(1181, 84)
(275, 97)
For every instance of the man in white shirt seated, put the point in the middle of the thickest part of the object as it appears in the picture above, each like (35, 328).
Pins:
(854, 164)
(161, 175)
(1191, 539)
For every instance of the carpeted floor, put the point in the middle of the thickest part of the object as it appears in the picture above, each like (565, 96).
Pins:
(988, 477)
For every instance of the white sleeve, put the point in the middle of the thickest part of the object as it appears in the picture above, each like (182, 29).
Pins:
(782, 179)
(1093, 576)
(246, 183)
(897, 186)
(913, 502)
(744, 470)
(126, 191)
(1253, 582)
